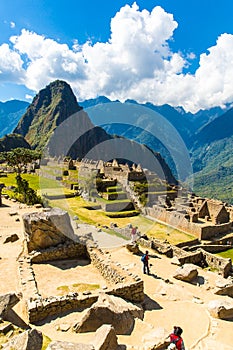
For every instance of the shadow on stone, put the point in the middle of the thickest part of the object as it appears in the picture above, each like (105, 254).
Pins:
(149, 304)
(68, 264)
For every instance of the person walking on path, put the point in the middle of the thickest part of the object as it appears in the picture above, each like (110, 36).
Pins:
(176, 339)
(145, 260)
(134, 234)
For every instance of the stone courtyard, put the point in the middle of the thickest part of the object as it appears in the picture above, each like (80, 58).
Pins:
(165, 300)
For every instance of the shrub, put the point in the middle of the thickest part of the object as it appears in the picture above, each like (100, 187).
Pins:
(24, 193)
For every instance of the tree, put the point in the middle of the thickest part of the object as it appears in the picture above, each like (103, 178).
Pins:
(18, 158)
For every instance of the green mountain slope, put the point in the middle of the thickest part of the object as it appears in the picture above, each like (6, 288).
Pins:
(11, 141)
(213, 159)
(49, 108)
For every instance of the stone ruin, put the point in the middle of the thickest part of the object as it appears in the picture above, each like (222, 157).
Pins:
(205, 218)
(49, 236)
(62, 243)
(47, 229)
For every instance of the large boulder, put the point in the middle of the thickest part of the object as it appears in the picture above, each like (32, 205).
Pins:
(62, 345)
(47, 228)
(7, 302)
(28, 340)
(133, 248)
(156, 339)
(221, 309)
(109, 310)
(105, 338)
(186, 272)
(224, 287)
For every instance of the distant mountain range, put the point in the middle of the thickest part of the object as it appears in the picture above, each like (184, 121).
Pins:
(208, 134)
(10, 114)
(56, 124)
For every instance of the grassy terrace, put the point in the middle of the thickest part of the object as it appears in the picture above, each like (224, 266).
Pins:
(227, 254)
(78, 206)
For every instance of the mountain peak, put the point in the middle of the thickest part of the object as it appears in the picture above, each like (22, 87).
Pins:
(49, 108)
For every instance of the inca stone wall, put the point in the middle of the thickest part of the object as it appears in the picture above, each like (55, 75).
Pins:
(223, 265)
(179, 220)
(40, 308)
(126, 285)
(198, 257)
(68, 250)
(122, 283)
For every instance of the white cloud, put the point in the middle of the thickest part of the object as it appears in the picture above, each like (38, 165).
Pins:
(12, 24)
(10, 65)
(136, 62)
(28, 97)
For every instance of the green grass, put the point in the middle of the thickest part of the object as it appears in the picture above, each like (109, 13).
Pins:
(46, 341)
(227, 254)
(78, 287)
(114, 189)
(113, 192)
(78, 206)
(32, 179)
(172, 235)
(123, 214)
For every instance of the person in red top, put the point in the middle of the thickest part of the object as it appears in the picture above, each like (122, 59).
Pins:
(175, 338)
(145, 261)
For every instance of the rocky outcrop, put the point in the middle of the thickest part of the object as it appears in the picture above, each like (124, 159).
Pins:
(157, 339)
(46, 229)
(7, 302)
(109, 310)
(133, 248)
(221, 309)
(224, 287)
(28, 340)
(105, 338)
(187, 272)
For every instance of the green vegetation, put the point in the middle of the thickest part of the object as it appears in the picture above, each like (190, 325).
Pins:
(154, 187)
(123, 214)
(78, 287)
(213, 166)
(23, 193)
(227, 254)
(46, 341)
(78, 206)
(18, 158)
(172, 235)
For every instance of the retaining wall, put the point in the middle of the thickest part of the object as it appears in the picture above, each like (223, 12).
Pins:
(126, 285)
(179, 220)
(223, 265)
(122, 283)
(198, 257)
(62, 251)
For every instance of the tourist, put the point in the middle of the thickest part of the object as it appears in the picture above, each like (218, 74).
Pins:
(134, 234)
(145, 260)
(175, 338)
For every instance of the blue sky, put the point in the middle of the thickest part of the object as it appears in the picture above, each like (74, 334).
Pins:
(159, 51)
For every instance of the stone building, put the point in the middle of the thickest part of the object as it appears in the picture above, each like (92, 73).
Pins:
(204, 219)
(214, 211)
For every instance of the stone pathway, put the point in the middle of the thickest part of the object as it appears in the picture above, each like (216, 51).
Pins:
(103, 239)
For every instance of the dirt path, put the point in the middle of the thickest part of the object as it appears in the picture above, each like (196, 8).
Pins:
(166, 304)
